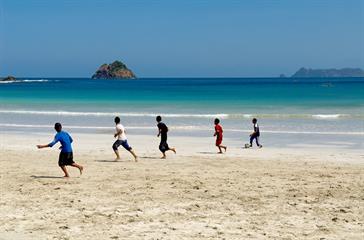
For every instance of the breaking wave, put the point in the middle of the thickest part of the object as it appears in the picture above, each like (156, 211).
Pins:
(27, 81)
(194, 128)
(187, 115)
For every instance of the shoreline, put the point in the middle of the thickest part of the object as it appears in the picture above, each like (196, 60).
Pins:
(191, 146)
(273, 140)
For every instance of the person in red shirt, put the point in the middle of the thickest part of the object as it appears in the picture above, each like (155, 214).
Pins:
(218, 134)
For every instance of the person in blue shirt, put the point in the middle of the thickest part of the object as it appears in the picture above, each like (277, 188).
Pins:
(66, 154)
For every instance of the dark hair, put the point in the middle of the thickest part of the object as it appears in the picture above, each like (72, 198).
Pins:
(117, 120)
(254, 120)
(217, 121)
(58, 127)
(158, 118)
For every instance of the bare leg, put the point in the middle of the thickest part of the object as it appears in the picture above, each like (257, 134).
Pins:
(80, 168)
(65, 171)
(173, 150)
(220, 147)
(224, 147)
(117, 155)
(257, 141)
(164, 155)
(134, 155)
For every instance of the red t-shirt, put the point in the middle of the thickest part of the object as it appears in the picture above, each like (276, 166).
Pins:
(219, 131)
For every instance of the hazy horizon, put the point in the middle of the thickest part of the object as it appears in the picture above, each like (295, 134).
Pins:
(174, 39)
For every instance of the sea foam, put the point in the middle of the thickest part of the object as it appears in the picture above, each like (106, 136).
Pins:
(28, 81)
(191, 127)
(187, 115)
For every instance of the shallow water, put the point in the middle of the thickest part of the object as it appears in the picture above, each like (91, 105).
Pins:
(327, 107)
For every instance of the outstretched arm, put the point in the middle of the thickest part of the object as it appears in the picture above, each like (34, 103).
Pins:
(48, 145)
(42, 146)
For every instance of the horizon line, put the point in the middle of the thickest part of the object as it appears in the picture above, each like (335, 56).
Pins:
(219, 77)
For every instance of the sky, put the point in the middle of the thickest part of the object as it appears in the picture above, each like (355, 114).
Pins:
(170, 38)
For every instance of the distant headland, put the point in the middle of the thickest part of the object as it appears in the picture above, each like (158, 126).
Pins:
(115, 70)
(328, 73)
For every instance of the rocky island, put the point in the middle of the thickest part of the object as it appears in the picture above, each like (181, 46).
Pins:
(115, 70)
(8, 78)
(328, 73)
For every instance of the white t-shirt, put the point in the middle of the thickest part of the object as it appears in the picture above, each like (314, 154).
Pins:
(122, 135)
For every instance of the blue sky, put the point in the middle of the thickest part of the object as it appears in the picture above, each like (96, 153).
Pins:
(167, 38)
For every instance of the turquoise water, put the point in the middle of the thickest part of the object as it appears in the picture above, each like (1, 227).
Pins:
(287, 106)
(218, 95)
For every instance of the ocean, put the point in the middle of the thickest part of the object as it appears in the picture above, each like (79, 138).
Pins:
(290, 112)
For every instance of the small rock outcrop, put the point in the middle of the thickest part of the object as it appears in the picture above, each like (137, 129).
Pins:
(115, 70)
(8, 78)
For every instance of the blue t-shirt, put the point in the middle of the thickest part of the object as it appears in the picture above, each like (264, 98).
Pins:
(65, 139)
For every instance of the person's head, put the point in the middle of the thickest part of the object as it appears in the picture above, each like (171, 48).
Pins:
(58, 127)
(117, 120)
(158, 118)
(254, 120)
(216, 121)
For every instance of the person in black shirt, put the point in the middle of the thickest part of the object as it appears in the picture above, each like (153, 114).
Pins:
(163, 129)
(256, 134)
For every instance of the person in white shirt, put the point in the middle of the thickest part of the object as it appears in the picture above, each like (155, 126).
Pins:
(121, 140)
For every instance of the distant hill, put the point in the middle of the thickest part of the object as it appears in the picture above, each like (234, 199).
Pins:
(115, 70)
(328, 73)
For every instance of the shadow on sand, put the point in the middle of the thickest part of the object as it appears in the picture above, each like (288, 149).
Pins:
(45, 176)
(207, 152)
(111, 161)
(150, 158)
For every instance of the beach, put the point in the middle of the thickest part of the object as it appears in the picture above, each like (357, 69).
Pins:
(181, 120)
(300, 192)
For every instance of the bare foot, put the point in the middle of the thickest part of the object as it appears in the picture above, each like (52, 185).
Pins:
(225, 149)
(219, 152)
(136, 159)
(66, 176)
(81, 170)
(164, 157)
(117, 159)
(174, 150)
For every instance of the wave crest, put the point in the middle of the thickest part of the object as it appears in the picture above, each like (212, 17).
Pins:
(187, 115)
(194, 128)
(28, 81)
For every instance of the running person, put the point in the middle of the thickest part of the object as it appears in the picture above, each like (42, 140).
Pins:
(218, 134)
(162, 131)
(66, 154)
(256, 134)
(122, 140)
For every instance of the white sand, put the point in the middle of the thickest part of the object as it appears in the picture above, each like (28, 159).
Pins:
(197, 194)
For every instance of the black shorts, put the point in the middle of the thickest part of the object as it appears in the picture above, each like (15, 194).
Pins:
(163, 147)
(65, 159)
